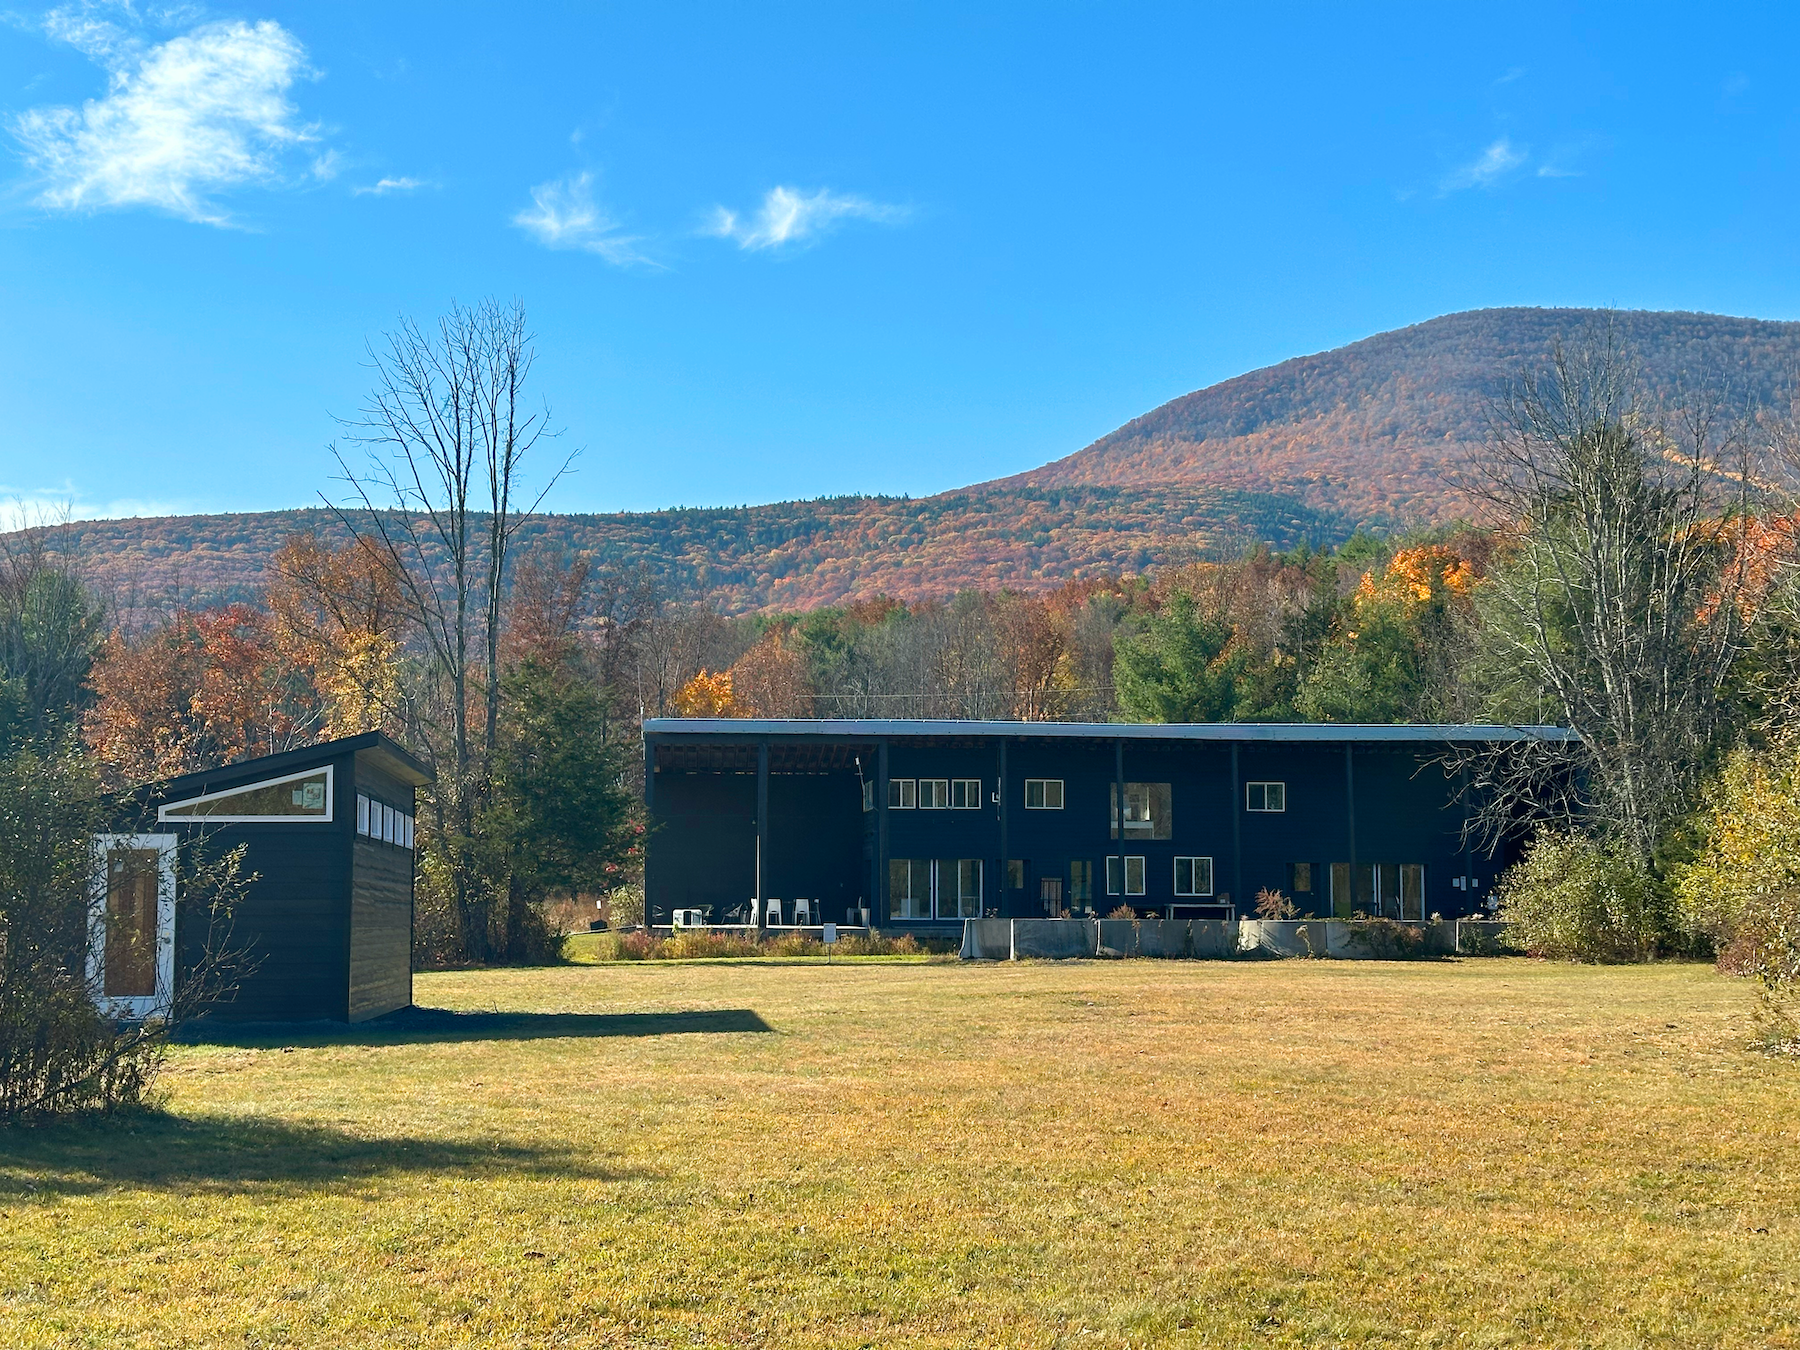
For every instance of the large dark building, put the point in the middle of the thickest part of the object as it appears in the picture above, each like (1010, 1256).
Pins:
(324, 931)
(915, 824)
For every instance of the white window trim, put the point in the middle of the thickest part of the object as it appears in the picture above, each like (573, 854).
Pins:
(1061, 794)
(137, 1008)
(955, 883)
(901, 783)
(164, 818)
(943, 802)
(1175, 872)
(974, 794)
(1265, 784)
(1125, 861)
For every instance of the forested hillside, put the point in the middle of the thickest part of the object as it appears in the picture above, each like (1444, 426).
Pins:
(1368, 434)
(788, 555)
(1373, 430)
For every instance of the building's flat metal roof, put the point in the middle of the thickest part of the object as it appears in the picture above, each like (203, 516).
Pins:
(876, 727)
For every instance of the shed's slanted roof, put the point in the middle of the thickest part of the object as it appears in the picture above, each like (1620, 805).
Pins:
(382, 750)
(661, 728)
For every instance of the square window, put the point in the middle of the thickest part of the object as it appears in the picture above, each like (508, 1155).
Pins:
(903, 794)
(1148, 810)
(1043, 794)
(965, 794)
(1125, 876)
(934, 794)
(1193, 876)
(1265, 796)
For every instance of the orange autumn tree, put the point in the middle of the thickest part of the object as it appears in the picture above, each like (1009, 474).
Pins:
(769, 680)
(206, 687)
(339, 613)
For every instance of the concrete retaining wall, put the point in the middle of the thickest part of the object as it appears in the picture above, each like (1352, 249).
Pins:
(1054, 939)
(987, 940)
(1216, 939)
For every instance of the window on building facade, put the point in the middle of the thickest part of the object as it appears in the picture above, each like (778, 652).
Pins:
(965, 794)
(1125, 876)
(1148, 810)
(1015, 874)
(934, 794)
(959, 888)
(868, 794)
(903, 794)
(1384, 890)
(909, 888)
(1300, 878)
(1265, 796)
(296, 799)
(1043, 794)
(1193, 876)
(1081, 882)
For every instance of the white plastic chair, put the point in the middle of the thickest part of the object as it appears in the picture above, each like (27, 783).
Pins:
(772, 913)
(803, 913)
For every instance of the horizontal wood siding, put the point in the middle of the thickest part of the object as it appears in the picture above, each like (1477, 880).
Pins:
(381, 901)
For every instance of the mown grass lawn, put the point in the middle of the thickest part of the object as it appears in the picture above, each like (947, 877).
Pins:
(1478, 1153)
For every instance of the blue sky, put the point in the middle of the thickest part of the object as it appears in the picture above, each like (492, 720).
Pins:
(785, 251)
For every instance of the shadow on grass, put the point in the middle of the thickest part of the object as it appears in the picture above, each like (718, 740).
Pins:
(420, 1026)
(226, 1154)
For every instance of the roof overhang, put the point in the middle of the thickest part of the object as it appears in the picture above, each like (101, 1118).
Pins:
(668, 730)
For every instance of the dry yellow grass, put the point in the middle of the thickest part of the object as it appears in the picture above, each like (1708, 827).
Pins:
(1485, 1153)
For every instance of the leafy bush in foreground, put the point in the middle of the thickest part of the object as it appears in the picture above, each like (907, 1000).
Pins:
(1574, 898)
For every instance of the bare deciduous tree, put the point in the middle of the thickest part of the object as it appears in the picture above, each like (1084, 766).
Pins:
(446, 434)
(1612, 607)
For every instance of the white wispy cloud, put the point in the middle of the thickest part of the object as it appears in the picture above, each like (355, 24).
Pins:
(792, 216)
(389, 185)
(1500, 160)
(181, 120)
(563, 214)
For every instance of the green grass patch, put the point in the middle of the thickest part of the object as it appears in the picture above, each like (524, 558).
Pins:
(1476, 1153)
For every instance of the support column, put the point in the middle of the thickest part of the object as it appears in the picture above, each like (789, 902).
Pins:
(762, 829)
(1350, 815)
(1005, 806)
(878, 896)
(1118, 821)
(649, 822)
(1237, 833)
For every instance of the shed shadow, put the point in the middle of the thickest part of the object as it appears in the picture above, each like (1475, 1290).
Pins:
(421, 1026)
(225, 1154)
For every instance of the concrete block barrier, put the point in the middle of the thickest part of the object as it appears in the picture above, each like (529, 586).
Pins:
(1162, 937)
(1117, 937)
(1284, 937)
(1483, 937)
(987, 940)
(1054, 939)
(1213, 939)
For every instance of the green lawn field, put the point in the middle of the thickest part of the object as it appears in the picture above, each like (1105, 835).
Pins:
(1472, 1153)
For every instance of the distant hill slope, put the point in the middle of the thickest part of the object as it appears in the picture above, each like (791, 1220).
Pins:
(1370, 430)
(789, 555)
(1308, 449)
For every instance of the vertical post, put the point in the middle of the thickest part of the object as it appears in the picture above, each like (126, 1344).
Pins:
(878, 895)
(1005, 803)
(1350, 813)
(1118, 821)
(762, 827)
(1468, 843)
(649, 825)
(1237, 833)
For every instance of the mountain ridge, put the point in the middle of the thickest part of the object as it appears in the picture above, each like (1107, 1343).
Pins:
(1311, 448)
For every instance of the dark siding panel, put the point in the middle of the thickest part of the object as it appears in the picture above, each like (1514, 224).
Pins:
(381, 903)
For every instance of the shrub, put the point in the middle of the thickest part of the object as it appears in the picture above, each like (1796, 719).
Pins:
(1388, 939)
(1740, 892)
(1123, 912)
(1271, 904)
(1575, 898)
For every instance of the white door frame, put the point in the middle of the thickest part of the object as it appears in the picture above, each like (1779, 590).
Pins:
(135, 1009)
